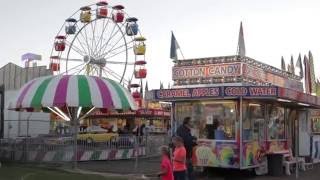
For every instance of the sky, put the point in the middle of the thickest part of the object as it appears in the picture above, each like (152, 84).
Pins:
(203, 28)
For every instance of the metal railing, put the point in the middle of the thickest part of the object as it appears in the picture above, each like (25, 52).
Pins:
(59, 149)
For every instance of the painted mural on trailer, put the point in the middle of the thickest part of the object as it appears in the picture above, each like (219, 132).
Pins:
(252, 154)
(216, 154)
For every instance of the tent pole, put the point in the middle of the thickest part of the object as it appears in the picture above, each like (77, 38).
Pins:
(73, 113)
(241, 135)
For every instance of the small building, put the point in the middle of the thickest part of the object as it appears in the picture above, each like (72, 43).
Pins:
(14, 124)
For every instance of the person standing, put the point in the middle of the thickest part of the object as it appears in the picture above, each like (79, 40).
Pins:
(179, 159)
(166, 167)
(184, 131)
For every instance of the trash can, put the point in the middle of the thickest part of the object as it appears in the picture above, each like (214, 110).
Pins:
(275, 162)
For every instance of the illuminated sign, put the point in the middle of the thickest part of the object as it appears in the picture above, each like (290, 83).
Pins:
(225, 70)
(232, 92)
(254, 91)
(188, 93)
(215, 92)
(205, 71)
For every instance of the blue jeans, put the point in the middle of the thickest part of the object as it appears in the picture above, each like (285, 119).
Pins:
(179, 175)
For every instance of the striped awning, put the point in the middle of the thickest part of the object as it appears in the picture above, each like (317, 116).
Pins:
(73, 91)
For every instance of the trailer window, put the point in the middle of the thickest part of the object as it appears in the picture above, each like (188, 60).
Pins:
(216, 120)
(276, 123)
(210, 119)
(182, 110)
(253, 121)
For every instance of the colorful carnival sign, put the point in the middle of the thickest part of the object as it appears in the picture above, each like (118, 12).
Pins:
(224, 70)
(232, 91)
(214, 92)
(137, 113)
(205, 71)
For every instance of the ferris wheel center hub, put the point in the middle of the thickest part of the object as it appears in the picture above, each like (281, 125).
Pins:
(92, 60)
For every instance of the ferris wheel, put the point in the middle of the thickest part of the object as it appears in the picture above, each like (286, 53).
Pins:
(101, 40)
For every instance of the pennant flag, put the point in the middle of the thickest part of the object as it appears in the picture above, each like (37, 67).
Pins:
(174, 47)
(292, 69)
(146, 87)
(283, 64)
(161, 85)
(312, 74)
(299, 65)
(241, 50)
(307, 80)
(141, 88)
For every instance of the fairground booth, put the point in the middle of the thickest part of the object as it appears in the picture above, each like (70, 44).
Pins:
(241, 109)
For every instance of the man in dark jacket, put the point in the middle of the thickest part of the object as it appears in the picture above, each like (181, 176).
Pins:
(184, 131)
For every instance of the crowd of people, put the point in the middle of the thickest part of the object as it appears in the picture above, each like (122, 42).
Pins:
(179, 167)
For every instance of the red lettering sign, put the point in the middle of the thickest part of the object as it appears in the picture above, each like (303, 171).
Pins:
(204, 71)
(262, 91)
(236, 91)
(172, 93)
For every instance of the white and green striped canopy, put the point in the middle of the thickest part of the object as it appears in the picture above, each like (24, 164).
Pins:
(73, 91)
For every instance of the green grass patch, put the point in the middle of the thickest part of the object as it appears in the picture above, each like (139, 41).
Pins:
(27, 173)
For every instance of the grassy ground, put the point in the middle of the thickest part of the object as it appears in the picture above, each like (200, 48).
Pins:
(27, 173)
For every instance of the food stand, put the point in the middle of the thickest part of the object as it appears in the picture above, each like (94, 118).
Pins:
(156, 120)
(241, 109)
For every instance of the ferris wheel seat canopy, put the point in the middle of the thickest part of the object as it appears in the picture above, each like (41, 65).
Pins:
(134, 85)
(85, 8)
(141, 62)
(102, 3)
(132, 19)
(54, 57)
(60, 37)
(71, 20)
(118, 7)
(140, 39)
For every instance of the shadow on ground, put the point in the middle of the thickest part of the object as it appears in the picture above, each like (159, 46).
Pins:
(225, 174)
